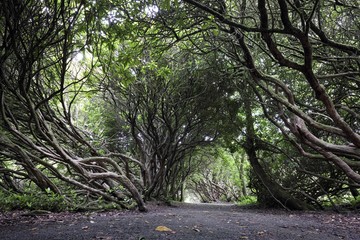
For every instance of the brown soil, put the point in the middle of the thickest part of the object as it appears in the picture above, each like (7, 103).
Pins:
(184, 221)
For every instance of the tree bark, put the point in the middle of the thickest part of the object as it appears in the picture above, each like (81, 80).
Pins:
(275, 190)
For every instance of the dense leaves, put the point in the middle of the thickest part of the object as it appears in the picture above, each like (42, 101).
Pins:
(125, 101)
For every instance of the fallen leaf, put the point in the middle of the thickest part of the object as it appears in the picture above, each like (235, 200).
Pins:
(85, 228)
(163, 229)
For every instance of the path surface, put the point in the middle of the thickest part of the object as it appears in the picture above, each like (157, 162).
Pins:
(186, 221)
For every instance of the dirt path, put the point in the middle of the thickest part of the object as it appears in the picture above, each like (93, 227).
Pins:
(186, 221)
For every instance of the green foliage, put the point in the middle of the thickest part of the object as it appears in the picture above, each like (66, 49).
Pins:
(49, 201)
(219, 176)
(355, 201)
(247, 200)
(159, 80)
(338, 202)
(33, 201)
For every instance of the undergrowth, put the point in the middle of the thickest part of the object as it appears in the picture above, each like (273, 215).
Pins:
(247, 200)
(32, 201)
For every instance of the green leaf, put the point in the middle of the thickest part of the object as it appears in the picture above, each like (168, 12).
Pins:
(165, 4)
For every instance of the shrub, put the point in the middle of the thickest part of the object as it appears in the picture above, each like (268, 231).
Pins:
(247, 200)
(32, 201)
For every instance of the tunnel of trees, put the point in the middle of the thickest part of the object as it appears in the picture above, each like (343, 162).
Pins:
(118, 102)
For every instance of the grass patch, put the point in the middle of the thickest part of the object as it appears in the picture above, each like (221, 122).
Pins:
(247, 200)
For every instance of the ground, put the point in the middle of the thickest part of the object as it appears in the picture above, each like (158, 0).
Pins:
(182, 221)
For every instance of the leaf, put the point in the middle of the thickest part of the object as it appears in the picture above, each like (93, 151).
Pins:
(166, 4)
(163, 229)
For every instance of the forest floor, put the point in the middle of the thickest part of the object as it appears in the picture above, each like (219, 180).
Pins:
(182, 221)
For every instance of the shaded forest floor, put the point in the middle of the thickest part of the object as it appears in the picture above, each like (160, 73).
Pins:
(183, 221)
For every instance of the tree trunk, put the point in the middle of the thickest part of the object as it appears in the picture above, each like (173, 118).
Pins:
(240, 167)
(275, 190)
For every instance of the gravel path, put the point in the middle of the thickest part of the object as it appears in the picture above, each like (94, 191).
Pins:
(184, 221)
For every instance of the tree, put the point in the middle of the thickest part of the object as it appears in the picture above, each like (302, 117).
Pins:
(171, 113)
(39, 86)
(220, 176)
(301, 58)
(167, 79)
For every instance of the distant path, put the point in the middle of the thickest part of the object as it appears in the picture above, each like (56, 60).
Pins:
(187, 221)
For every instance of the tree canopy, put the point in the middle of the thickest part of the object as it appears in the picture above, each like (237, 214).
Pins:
(125, 102)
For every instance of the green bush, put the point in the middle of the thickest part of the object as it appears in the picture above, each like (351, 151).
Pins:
(356, 202)
(247, 200)
(32, 201)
